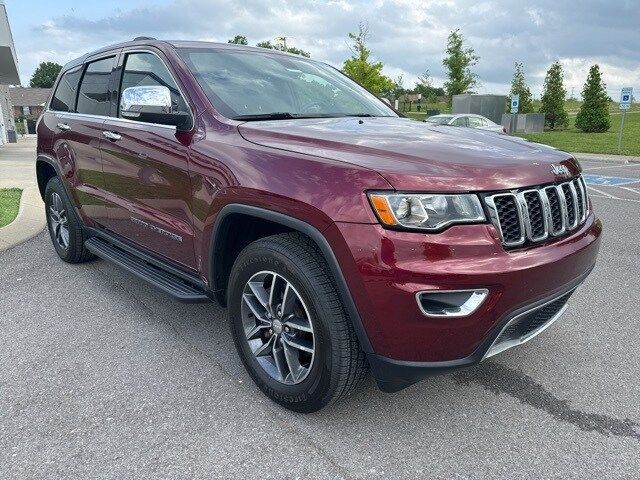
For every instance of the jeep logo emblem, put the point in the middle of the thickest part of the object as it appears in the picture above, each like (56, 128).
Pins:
(560, 170)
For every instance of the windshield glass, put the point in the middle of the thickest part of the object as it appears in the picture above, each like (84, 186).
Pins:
(246, 84)
(439, 119)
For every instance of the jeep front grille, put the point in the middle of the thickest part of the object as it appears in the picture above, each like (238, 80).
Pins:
(533, 215)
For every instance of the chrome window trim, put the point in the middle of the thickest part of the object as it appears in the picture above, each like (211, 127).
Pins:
(107, 119)
(472, 306)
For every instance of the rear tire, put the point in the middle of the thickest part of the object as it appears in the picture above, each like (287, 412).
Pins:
(65, 228)
(315, 356)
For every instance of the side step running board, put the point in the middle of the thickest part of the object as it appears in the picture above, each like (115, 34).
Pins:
(179, 288)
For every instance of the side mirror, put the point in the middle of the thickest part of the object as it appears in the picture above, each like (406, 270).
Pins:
(152, 104)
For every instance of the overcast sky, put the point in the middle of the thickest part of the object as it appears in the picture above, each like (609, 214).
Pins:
(409, 36)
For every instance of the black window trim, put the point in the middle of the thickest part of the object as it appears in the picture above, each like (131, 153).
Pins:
(80, 67)
(85, 65)
(120, 66)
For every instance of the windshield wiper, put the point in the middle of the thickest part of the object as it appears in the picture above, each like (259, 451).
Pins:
(265, 116)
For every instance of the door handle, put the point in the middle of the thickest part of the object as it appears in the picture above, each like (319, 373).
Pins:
(113, 136)
(63, 126)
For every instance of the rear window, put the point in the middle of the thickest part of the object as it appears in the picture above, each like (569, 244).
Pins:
(64, 98)
(93, 97)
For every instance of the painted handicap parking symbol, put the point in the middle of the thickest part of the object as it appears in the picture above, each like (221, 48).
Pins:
(612, 181)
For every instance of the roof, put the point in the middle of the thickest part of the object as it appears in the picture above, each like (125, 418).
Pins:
(152, 42)
(28, 97)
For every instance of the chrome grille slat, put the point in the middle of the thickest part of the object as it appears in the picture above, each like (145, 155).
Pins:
(535, 214)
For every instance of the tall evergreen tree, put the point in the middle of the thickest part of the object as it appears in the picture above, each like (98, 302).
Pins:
(594, 111)
(458, 62)
(519, 87)
(553, 98)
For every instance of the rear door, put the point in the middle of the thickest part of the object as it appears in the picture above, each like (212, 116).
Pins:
(146, 167)
(80, 106)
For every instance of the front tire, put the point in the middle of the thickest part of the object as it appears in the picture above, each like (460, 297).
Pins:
(289, 325)
(65, 228)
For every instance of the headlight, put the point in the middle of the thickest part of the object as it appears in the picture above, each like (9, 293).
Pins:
(425, 211)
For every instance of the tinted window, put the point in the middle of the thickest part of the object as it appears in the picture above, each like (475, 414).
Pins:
(146, 69)
(461, 122)
(94, 88)
(475, 122)
(242, 83)
(64, 98)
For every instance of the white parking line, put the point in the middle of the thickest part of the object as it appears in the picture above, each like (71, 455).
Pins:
(629, 189)
(603, 193)
(612, 197)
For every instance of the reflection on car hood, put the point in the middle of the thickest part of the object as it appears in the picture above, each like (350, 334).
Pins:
(415, 155)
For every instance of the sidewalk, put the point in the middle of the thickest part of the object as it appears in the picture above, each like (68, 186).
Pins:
(17, 170)
(606, 157)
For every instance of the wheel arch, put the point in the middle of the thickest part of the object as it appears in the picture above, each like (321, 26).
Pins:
(46, 169)
(224, 250)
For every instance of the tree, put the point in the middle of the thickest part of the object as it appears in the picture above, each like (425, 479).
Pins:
(398, 88)
(239, 40)
(361, 69)
(282, 48)
(519, 87)
(594, 111)
(553, 98)
(458, 62)
(45, 75)
(424, 85)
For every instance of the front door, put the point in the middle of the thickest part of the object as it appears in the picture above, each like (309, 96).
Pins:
(146, 170)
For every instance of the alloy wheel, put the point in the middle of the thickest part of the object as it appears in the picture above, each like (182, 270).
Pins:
(278, 327)
(58, 221)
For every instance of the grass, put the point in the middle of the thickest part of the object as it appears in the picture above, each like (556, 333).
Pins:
(573, 140)
(9, 205)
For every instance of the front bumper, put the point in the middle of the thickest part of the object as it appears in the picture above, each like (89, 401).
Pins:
(384, 269)
(393, 375)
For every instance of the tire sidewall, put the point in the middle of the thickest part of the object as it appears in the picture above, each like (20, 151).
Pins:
(55, 186)
(316, 388)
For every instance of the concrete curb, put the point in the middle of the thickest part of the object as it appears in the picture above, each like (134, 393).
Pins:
(30, 221)
(601, 157)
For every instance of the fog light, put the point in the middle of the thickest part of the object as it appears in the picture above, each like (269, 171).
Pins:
(450, 303)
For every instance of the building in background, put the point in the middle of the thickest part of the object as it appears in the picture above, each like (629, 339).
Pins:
(8, 76)
(28, 104)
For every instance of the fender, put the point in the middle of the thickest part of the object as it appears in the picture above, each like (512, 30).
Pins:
(312, 232)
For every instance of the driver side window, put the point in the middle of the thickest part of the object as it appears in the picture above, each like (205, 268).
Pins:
(146, 69)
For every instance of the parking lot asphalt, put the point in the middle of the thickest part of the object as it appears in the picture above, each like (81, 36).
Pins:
(101, 376)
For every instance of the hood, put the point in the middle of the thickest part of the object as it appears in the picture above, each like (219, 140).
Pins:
(417, 156)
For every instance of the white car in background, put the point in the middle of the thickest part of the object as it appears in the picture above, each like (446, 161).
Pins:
(466, 120)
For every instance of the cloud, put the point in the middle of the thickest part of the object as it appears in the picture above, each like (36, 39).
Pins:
(409, 36)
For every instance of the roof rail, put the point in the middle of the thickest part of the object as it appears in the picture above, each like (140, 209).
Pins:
(144, 38)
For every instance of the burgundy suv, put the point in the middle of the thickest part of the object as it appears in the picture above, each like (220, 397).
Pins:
(341, 236)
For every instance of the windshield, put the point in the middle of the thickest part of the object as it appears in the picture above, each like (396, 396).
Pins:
(439, 119)
(249, 85)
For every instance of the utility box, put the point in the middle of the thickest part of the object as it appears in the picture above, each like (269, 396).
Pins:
(490, 106)
(523, 122)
